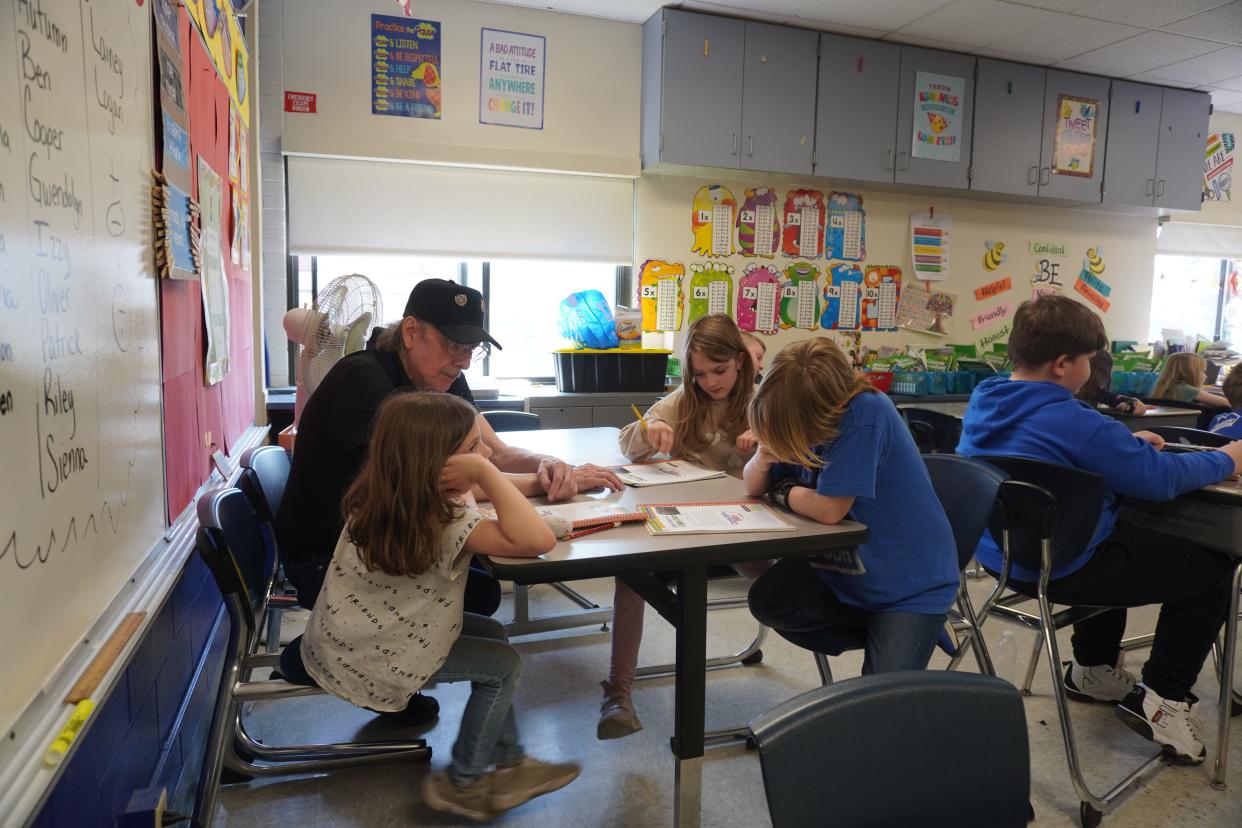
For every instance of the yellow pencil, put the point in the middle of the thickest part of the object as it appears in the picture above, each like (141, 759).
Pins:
(639, 415)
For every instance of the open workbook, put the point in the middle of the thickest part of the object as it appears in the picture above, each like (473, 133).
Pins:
(663, 472)
(724, 516)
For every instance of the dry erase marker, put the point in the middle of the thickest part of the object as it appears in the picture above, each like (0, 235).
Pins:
(68, 733)
(639, 415)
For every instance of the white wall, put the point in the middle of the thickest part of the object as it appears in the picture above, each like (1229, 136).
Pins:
(590, 100)
(272, 186)
(1128, 244)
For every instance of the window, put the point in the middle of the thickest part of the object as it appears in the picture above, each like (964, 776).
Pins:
(1196, 295)
(522, 298)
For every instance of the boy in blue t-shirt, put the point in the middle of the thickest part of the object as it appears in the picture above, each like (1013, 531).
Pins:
(1033, 414)
(1230, 423)
(831, 447)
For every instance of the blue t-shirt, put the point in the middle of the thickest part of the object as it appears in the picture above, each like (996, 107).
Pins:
(909, 562)
(1228, 424)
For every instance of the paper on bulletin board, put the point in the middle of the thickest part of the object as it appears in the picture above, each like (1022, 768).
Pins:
(711, 221)
(176, 150)
(214, 284)
(924, 309)
(405, 67)
(511, 78)
(845, 237)
(929, 245)
(177, 234)
(165, 12)
(996, 314)
(805, 217)
(800, 297)
(758, 225)
(221, 32)
(758, 299)
(172, 87)
(937, 129)
(1073, 143)
(711, 289)
(1218, 167)
(881, 291)
(660, 296)
(842, 299)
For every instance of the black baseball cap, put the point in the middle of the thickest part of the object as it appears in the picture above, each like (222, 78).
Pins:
(455, 309)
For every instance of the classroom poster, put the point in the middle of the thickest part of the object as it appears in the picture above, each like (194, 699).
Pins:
(166, 20)
(711, 221)
(924, 309)
(1218, 167)
(929, 245)
(1073, 141)
(405, 67)
(172, 88)
(176, 166)
(937, 117)
(711, 289)
(805, 219)
(222, 35)
(660, 296)
(511, 78)
(214, 284)
(177, 234)
(758, 299)
(846, 236)
(842, 290)
(758, 225)
(881, 289)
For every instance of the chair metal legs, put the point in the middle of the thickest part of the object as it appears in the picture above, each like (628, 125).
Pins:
(825, 672)
(752, 653)
(1034, 663)
(590, 614)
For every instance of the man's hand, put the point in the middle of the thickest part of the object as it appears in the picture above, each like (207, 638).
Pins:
(590, 476)
(1148, 437)
(561, 481)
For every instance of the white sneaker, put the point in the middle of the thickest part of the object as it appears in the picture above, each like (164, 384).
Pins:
(1101, 683)
(1169, 724)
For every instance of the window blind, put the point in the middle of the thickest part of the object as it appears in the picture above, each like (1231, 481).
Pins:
(1192, 239)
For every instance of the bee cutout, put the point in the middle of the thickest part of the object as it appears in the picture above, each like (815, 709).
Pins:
(758, 299)
(1094, 261)
(711, 221)
(995, 256)
(711, 289)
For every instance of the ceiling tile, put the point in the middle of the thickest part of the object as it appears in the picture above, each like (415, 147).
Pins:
(926, 42)
(885, 15)
(635, 11)
(1237, 108)
(1153, 77)
(1205, 69)
(1223, 23)
(1051, 5)
(1139, 54)
(1150, 14)
(1229, 83)
(1065, 37)
(1011, 55)
(774, 8)
(836, 28)
(733, 11)
(1223, 97)
(977, 22)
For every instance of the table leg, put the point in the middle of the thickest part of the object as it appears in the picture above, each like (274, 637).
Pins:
(1226, 681)
(689, 696)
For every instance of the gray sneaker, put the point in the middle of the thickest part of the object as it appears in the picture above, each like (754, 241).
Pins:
(529, 778)
(440, 793)
(1101, 683)
(1169, 724)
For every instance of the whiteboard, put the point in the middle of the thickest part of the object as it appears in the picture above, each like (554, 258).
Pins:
(81, 459)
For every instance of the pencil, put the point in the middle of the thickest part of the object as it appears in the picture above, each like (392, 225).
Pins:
(639, 415)
(591, 531)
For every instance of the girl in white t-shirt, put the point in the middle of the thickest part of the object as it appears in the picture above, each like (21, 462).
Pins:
(390, 619)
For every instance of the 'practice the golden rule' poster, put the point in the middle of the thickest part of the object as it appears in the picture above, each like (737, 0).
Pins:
(405, 67)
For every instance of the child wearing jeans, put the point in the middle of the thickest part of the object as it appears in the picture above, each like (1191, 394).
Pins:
(831, 447)
(390, 619)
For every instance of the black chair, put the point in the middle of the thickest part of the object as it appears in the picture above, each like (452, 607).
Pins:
(231, 544)
(912, 748)
(264, 473)
(1176, 435)
(939, 432)
(1048, 517)
(512, 421)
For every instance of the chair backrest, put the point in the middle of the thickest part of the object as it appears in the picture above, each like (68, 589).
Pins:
(895, 749)
(946, 429)
(1045, 500)
(924, 436)
(967, 490)
(1191, 436)
(231, 543)
(269, 472)
(512, 421)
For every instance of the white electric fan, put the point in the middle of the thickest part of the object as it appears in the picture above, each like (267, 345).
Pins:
(337, 325)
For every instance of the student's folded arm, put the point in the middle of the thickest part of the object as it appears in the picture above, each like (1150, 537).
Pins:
(1131, 467)
(517, 531)
(827, 509)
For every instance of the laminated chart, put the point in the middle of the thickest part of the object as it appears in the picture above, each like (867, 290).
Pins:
(845, 239)
(881, 292)
(841, 298)
(660, 296)
(800, 297)
(758, 226)
(929, 245)
(711, 289)
(711, 221)
(804, 224)
(758, 308)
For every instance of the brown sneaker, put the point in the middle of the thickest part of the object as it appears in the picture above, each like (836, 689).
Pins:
(616, 713)
(440, 793)
(529, 778)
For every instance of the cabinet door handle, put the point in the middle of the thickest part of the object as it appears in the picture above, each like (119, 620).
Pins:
(734, 150)
(1160, 188)
(1151, 184)
(1045, 175)
(750, 145)
(902, 158)
(888, 156)
(1032, 175)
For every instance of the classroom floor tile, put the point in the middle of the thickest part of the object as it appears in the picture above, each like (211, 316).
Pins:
(628, 782)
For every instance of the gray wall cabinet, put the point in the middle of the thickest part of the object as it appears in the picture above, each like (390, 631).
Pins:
(778, 99)
(1079, 87)
(856, 115)
(1183, 141)
(930, 171)
(1155, 147)
(1009, 107)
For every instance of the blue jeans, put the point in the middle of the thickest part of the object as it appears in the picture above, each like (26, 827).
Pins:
(482, 656)
(792, 599)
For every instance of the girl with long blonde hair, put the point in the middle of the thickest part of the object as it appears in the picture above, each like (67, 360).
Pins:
(390, 619)
(703, 420)
(831, 447)
(1182, 379)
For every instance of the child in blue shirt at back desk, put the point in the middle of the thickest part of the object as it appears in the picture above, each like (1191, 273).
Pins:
(831, 447)
(1230, 423)
(1033, 414)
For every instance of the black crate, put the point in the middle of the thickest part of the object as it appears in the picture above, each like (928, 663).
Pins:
(593, 372)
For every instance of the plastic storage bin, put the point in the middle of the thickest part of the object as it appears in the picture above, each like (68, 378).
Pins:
(961, 382)
(590, 371)
(913, 383)
(882, 380)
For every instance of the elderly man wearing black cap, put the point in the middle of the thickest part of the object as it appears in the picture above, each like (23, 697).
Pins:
(435, 341)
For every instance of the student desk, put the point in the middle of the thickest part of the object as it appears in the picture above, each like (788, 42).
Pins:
(953, 409)
(1157, 415)
(631, 553)
(1212, 517)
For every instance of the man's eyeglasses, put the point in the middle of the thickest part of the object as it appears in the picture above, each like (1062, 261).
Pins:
(457, 349)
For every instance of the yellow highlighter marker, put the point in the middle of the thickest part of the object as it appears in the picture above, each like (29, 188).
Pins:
(639, 415)
(68, 733)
